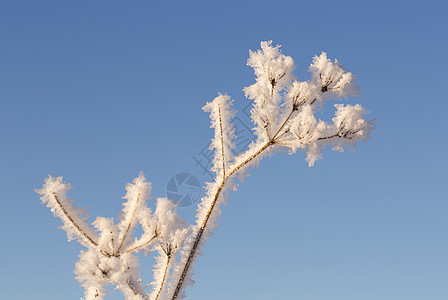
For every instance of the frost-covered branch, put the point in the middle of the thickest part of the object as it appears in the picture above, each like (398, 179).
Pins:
(54, 194)
(110, 256)
(283, 114)
(142, 245)
(128, 228)
(134, 210)
(164, 263)
(221, 114)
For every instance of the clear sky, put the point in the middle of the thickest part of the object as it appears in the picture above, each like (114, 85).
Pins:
(97, 91)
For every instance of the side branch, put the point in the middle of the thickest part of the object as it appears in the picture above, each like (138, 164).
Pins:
(168, 252)
(164, 278)
(346, 135)
(75, 225)
(138, 247)
(222, 143)
(129, 225)
(207, 217)
(137, 292)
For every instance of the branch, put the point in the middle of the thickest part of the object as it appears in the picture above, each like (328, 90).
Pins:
(137, 292)
(207, 217)
(222, 143)
(73, 223)
(221, 114)
(169, 254)
(130, 223)
(216, 197)
(346, 135)
(295, 107)
(284, 123)
(212, 206)
(138, 247)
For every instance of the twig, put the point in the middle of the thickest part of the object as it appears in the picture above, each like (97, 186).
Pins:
(167, 267)
(142, 245)
(84, 234)
(222, 143)
(130, 223)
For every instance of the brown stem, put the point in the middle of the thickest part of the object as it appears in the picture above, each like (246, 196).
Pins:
(81, 232)
(284, 123)
(207, 217)
(222, 142)
(136, 291)
(130, 223)
(141, 245)
(167, 266)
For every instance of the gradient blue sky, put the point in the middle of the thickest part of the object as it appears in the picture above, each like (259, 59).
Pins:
(97, 91)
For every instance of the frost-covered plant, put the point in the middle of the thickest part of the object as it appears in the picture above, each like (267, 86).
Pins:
(110, 255)
(283, 114)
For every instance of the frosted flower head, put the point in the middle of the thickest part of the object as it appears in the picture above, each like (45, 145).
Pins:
(270, 65)
(302, 93)
(333, 79)
(349, 116)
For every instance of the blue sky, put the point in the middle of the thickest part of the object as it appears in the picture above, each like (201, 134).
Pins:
(97, 91)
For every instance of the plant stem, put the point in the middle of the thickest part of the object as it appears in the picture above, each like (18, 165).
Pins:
(222, 142)
(84, 234)
(130, 223)
(213, 204)
(168, 259)
(207, 217)
(142, 245)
